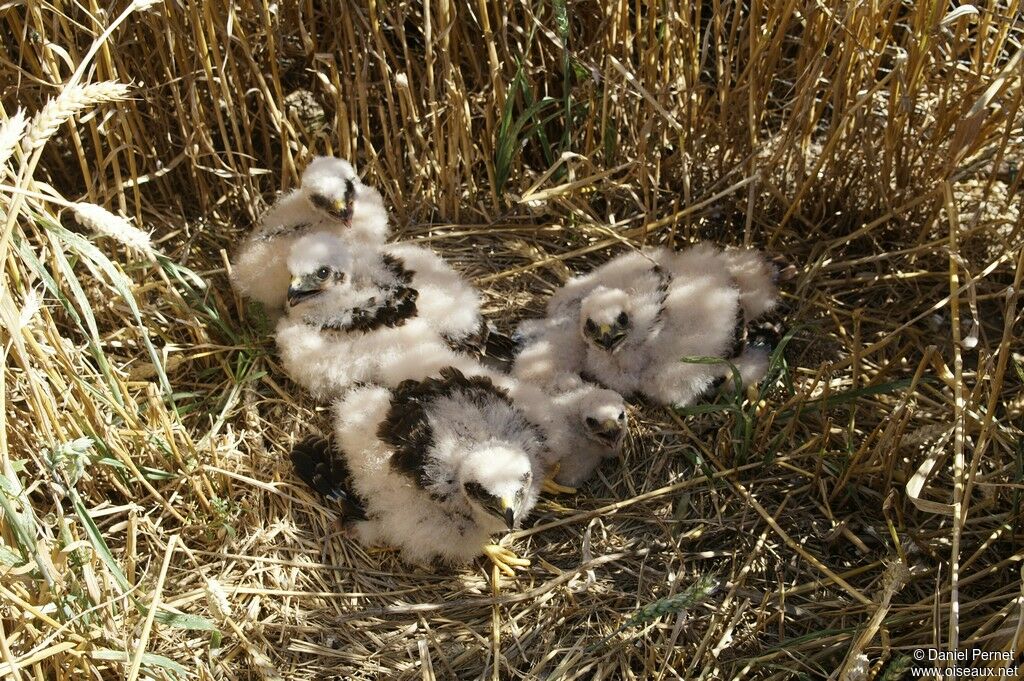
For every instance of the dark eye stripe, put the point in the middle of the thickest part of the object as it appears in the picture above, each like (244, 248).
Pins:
(476, 491)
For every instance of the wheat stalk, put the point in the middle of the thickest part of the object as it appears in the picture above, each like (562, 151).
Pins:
(68, 103)
(10, 134)
(102, 221)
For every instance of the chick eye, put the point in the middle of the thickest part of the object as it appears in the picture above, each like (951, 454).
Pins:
(623, 318)
(591, 421)
(590, 325)
(323, 272)
(622, 415)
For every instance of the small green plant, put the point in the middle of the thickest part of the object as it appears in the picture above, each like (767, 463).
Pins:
(224, 513)
(897, 668)
(696, 593)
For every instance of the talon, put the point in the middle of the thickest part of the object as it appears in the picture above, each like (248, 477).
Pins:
(504, 559)
(551, 487)
(380, 550)
(348, 531)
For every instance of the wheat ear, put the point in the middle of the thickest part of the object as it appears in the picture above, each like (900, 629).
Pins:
(10, 135)
(68, 103)
(102, 221)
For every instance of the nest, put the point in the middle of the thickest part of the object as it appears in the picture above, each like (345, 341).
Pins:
(863, 505)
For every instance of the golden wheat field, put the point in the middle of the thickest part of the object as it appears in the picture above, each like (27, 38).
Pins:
(863, 507)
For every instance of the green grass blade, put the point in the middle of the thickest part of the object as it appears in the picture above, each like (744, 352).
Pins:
(123, 287)
(98, 543)
(9, 491)
(80, 311)
(148, 659)
(184, 621)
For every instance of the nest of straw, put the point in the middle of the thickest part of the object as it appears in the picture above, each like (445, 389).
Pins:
(864, 505)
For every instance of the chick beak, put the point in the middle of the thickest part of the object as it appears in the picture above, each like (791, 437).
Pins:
(510, 516)
(499, 507)
(299, 290)
(609, 432)
(608, 338)
(340, 208)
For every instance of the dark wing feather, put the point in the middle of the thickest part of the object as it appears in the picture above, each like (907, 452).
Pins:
(739, 335)
(393, 307)
(406, 428)
(396, 267)
(500, 345)
(327, 473)
(486, 343)
(766, 333)
(664, 282)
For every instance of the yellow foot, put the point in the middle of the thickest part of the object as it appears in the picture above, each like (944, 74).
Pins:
(504, 559)
(348, 531)
(551, 487)
(380, 550)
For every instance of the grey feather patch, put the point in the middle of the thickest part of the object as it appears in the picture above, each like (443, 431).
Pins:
(277, 231)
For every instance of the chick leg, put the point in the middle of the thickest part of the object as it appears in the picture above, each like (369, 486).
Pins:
(504, 559)
(348, 531)
(551, 487)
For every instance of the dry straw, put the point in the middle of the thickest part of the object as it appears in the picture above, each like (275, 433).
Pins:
(875, 145)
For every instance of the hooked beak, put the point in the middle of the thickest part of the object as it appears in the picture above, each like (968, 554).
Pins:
(609, 432)
(501, 508)
(300, 290)
(609, 338)
(340, 209)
